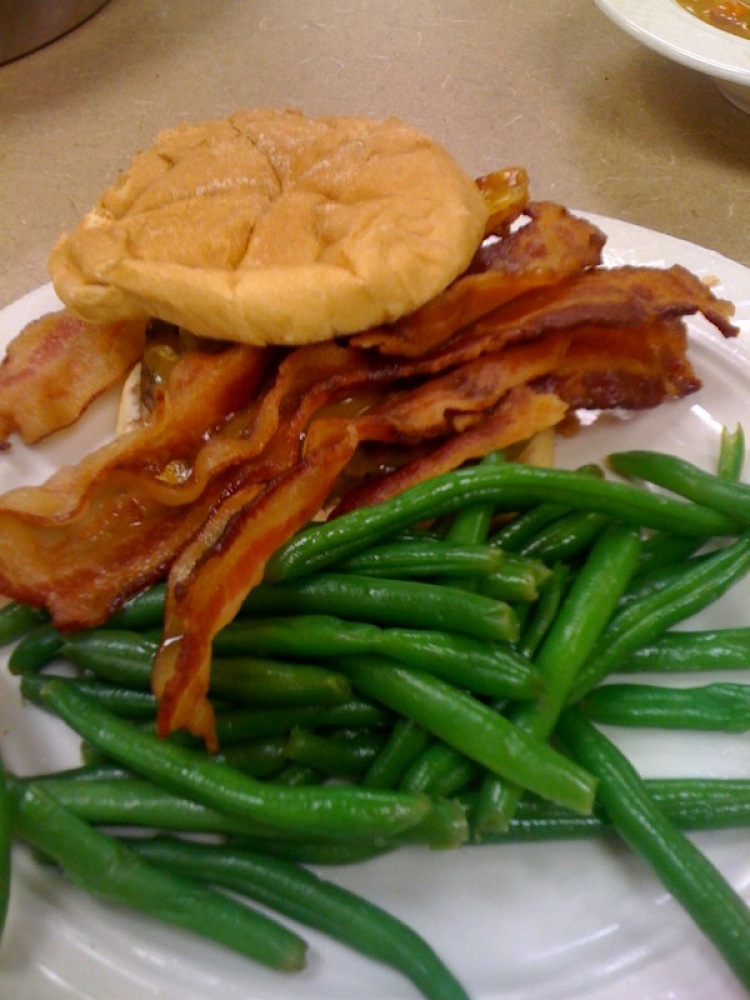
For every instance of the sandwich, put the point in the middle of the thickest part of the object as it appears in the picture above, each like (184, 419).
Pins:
(307, 315)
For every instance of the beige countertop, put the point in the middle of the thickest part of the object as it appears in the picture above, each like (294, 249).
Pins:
(601, 123)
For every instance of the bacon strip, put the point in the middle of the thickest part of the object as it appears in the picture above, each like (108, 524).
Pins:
(246, 445)
(57, 366)
(94, 534)
(633, 368)
(553, 245)
(519, 415)
(208, 584)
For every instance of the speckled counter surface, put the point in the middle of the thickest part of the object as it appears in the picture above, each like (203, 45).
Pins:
(601, 123)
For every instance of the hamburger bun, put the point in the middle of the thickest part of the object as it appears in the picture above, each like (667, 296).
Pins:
(270, 227)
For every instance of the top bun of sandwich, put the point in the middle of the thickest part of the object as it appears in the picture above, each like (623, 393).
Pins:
(273, 228)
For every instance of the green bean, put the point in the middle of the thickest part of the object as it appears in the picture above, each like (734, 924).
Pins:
(523, 527)
(6, 844)
(690, 803)
(423, 559)
(439, 771)
(326, 810)
(108, 869)
(144, 610)
(544, 611)
(648, 581)
(500, 574)
(335, 758)
(647, 619)
(18, 619)
(519, 581)
(702, 649)
(307, 853)
(688, 480)
(508, 487)
(711, 707)
(125, 702)
(35, 650)
(470, 525)
(473, 729)
(405, 743)
(703, 803)
(494, 669)
(294, 775)
(731, 454)
(272, 683)
(237, 725)
(567, 537)
(392, 602)
(687, 874)
(259, 758)
(126, 657)
(121, 656)
(304, 896)
(88, 772)
(516, 532)
(134, 801)
(582, 617)
(662, 549)
(234, 726)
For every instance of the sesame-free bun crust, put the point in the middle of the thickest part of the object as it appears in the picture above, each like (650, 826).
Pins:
(274, 228)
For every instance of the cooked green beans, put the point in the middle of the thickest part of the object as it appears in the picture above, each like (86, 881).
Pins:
(718, 493)
(36, 649)
(18, 619)
(545, 611)
(690, 803)
(566, 537)
(121, 656)
(108, 869)
(705, 649)
(463, 653)
(326, 810)
(300, 894)
(731, 454)
(712, 707)
(472, 728)
(509, 487)
(688, 875)
(439, 771)
(648, 618)
(236, 725)
(393, 602)
(331, 757)
(580, 622)
(485, 667)
(405, 743)
(126, 702)
(424, 559)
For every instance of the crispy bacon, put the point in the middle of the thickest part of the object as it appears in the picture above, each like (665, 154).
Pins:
(553, 245)
(247, 444)
(519, 415)
(209, 581)
(57, 366)
(95, 533)
(631, 368)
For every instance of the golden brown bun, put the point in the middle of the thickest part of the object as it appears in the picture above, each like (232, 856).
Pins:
(271, 227)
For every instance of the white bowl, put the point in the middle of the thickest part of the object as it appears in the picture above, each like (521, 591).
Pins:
(666, 27)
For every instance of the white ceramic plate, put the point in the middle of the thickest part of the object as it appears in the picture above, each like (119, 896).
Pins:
(667, 28)
(532, 922)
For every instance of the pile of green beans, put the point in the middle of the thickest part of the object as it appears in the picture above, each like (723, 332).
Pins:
(428, 671)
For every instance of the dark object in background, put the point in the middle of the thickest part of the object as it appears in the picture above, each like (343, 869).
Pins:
(26, 25)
